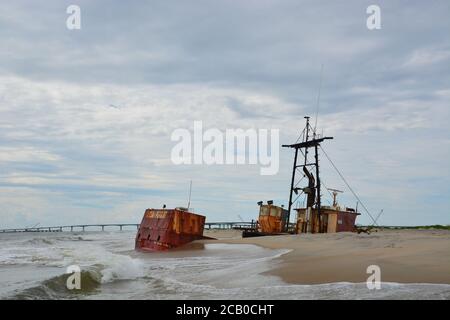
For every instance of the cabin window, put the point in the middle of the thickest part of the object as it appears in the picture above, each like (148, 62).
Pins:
(264, 211)
(275, 212)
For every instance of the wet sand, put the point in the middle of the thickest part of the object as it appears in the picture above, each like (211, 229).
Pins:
(404, 256)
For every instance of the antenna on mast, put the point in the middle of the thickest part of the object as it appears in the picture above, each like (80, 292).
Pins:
(318, 100)
(335, 193)
(190, 192)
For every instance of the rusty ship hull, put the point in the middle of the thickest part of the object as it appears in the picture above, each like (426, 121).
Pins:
(165, 229)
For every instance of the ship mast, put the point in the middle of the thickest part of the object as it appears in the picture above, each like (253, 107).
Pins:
(313, 190)
(190, 192)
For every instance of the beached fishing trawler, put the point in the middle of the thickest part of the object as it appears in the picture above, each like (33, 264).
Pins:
(164, 229)
(315, 217)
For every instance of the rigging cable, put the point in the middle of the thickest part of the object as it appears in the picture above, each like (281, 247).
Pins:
(323, 182)
(345, 181)
(301, 135)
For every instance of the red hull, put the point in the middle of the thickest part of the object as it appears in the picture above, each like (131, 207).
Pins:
(164, 229)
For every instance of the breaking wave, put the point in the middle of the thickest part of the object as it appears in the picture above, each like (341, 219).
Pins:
(55, 288)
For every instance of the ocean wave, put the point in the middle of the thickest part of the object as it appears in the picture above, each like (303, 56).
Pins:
(39, 241)
(122, 268)
(91, 279)
(56, 288)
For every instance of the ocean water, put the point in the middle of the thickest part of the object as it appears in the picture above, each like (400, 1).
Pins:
(33, 266)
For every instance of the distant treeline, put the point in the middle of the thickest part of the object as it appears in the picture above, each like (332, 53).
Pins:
(433, 227)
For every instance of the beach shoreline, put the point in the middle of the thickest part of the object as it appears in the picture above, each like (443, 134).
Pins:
(404, 256)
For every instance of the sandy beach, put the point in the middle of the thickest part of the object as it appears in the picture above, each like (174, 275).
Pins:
(404, 256)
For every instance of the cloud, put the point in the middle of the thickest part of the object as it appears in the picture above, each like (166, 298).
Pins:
(11, 154)
(427, 57)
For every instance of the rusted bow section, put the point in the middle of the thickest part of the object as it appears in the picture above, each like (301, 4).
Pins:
(163, 229)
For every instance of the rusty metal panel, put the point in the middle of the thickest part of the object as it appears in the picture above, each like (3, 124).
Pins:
(345, 221)
(271, 219)
(270, 224)
(188, 223)
(162, 229)
(332, 221)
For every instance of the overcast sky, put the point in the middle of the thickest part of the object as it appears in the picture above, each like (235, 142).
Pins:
(86, 115)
